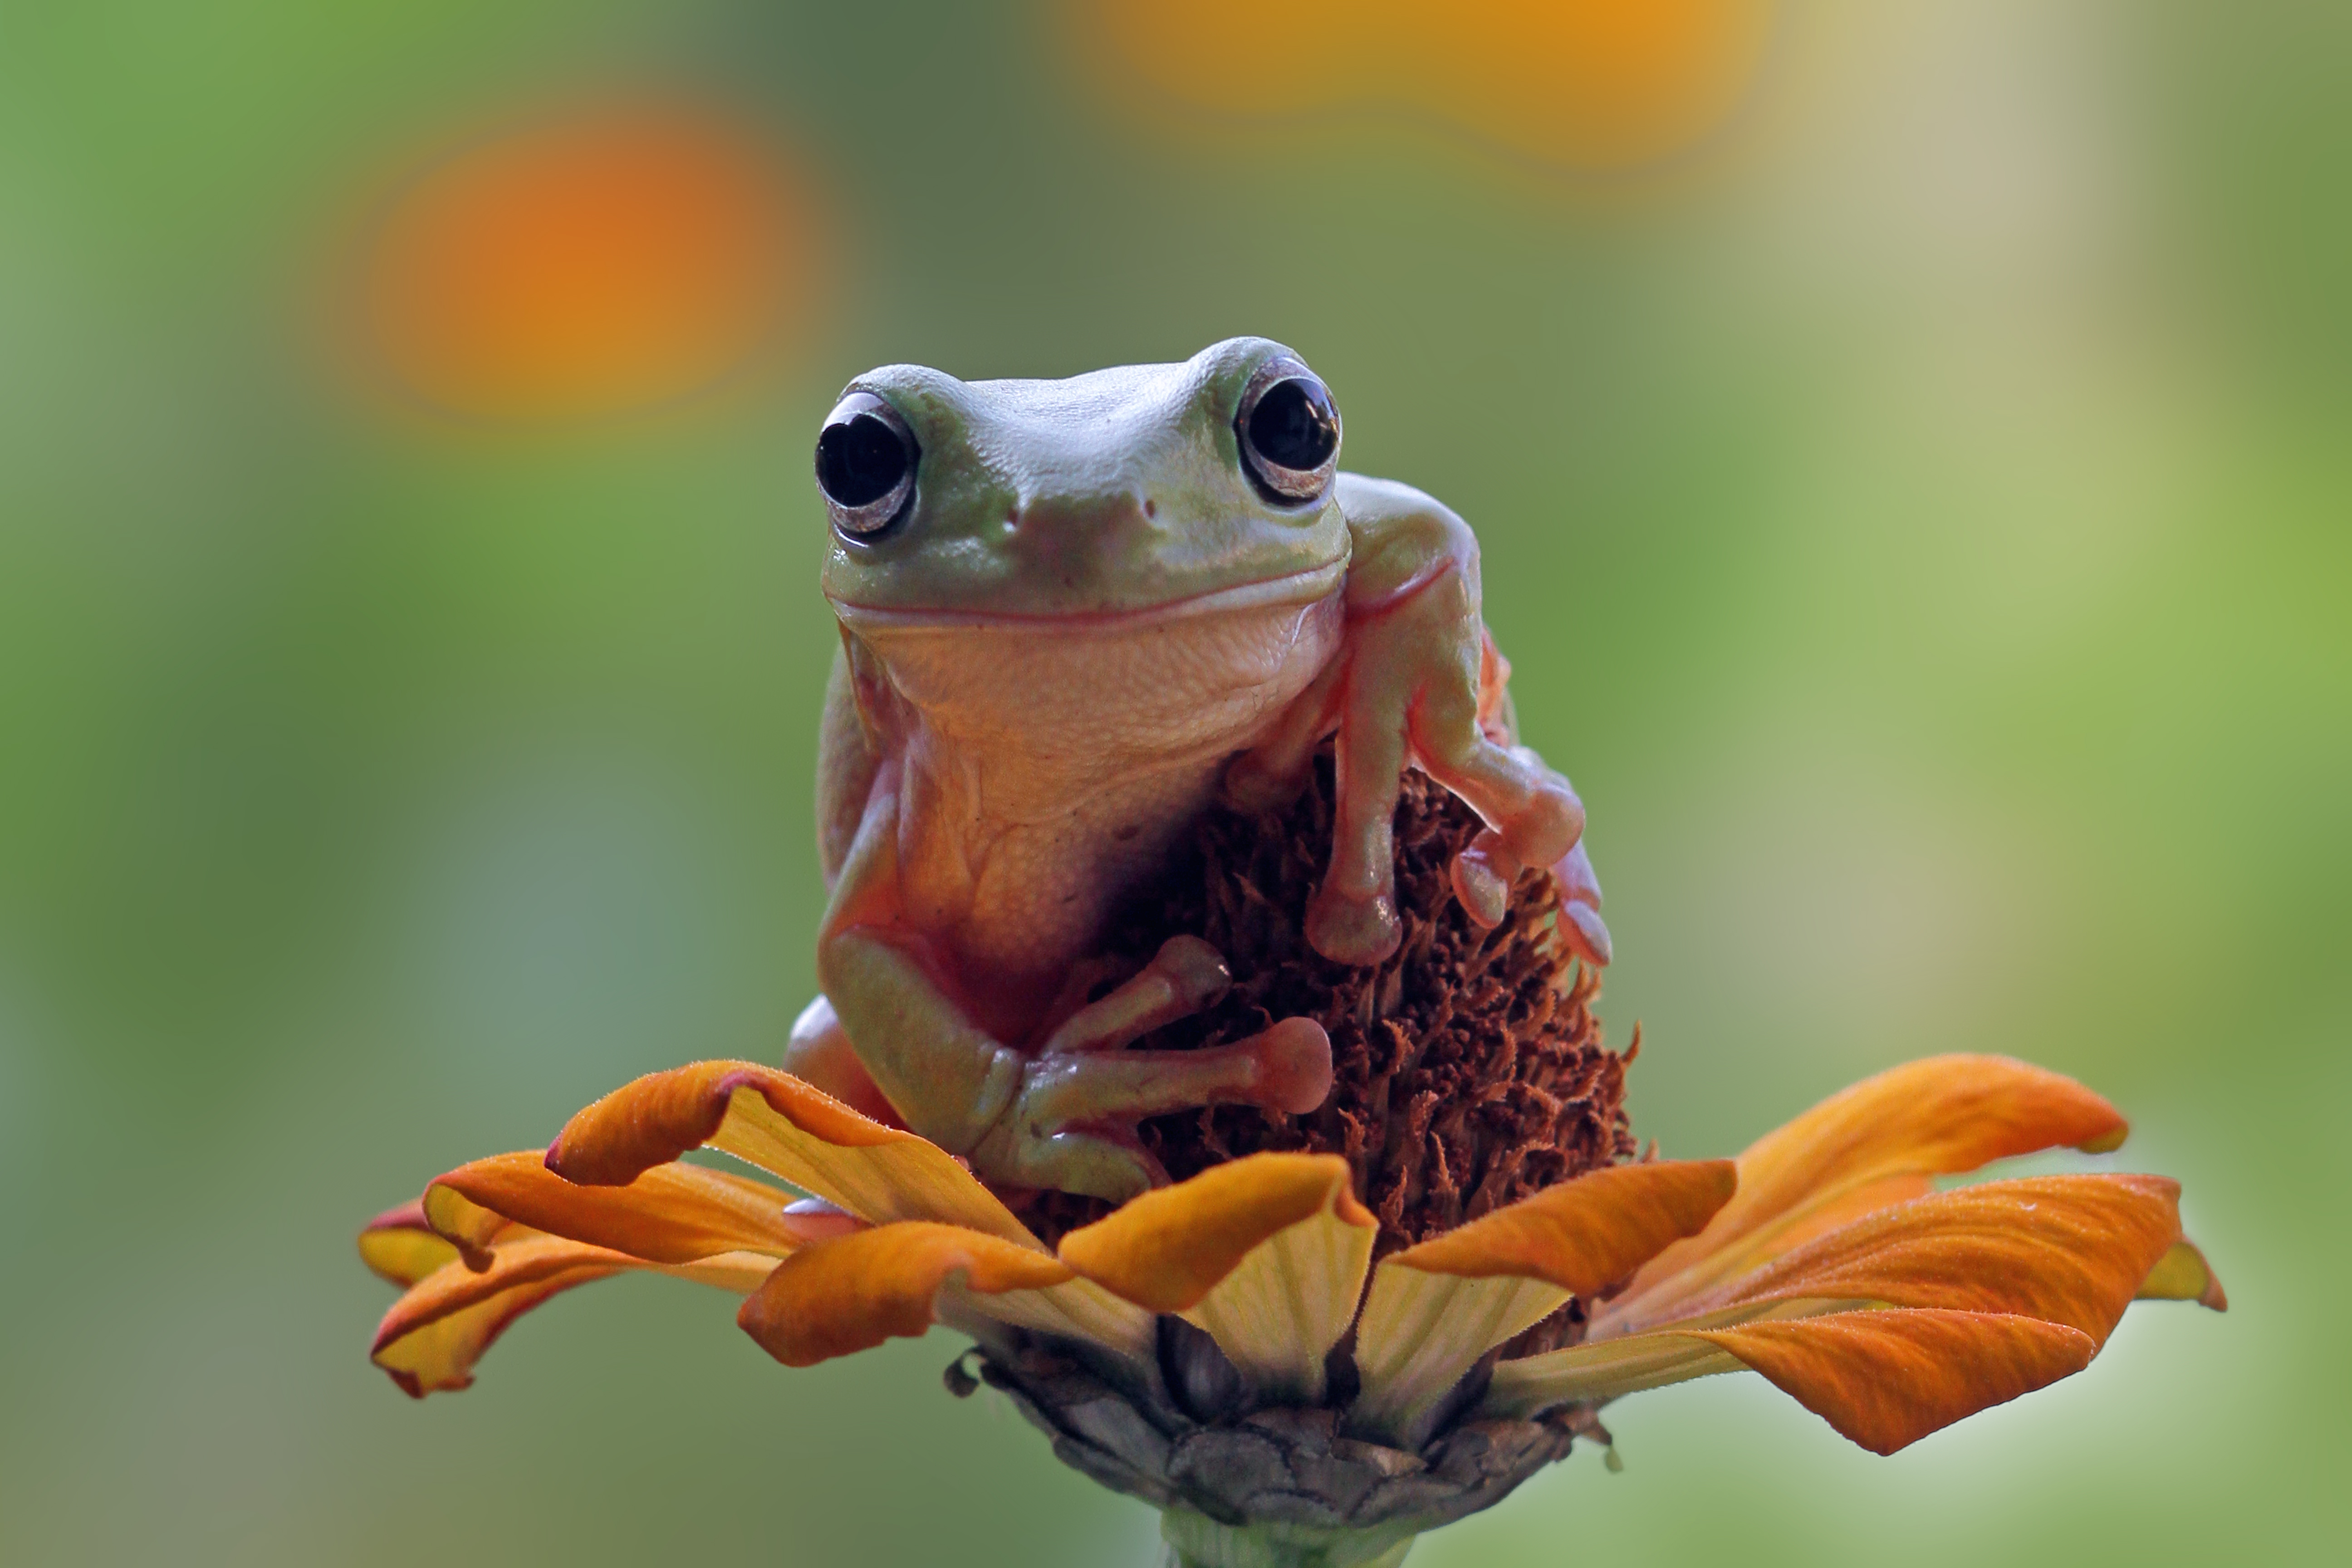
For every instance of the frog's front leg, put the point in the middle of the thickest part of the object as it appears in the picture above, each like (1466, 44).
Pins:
(1410, 685)
(1062, 1116)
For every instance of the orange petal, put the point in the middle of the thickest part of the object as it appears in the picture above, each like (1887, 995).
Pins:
(2183, 1275)
(433, 1335)
(1168, 1249)
(1886, 1380)
(837, 1297)
(670, 1213)
(2065, 1249)
(785, 1127)
(401, 1246)
(1436, 1307)
(1584, 1235)
(1875, 1143)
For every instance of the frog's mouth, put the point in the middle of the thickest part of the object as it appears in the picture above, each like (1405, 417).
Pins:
(1291, 591)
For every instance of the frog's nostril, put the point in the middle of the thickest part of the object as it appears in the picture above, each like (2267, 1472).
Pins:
(1151, 507)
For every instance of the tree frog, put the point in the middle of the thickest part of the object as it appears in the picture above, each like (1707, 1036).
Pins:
(1074, 614)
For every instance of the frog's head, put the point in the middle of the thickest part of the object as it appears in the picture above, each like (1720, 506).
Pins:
(1136, 492)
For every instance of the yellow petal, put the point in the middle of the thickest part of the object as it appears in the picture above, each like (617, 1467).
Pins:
(1267, 1253)
(1877, 1142)
(2183, 1275)
(671, 1213)
(1422, 1333)
(398, 1245)
(836, 1296)
(1079, 1308)
(775, 1122)
(1595, 1374)
(1436, 1307)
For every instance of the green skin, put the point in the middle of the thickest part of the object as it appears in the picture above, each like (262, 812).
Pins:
(1089, 626)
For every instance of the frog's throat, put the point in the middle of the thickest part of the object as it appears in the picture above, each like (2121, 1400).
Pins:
(1293, 588)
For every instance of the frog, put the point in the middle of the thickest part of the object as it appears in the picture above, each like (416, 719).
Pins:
(1073, 617)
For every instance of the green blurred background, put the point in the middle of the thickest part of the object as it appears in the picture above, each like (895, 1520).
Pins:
(1921, 521)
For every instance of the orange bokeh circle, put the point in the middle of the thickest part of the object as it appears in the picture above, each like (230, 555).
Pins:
(609, 260)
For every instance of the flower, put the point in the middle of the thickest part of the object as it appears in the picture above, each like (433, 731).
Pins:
(1229, 1348)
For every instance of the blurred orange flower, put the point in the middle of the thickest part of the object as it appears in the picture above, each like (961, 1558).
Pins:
(1582, 83)
(596, 263)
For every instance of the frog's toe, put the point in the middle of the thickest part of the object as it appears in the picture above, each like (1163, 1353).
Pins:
(1587, 937)
(1187, 975)
(1294, 1067)
(1580, 907)
(1355, 930)
(1092, 1162)
(1483, 875)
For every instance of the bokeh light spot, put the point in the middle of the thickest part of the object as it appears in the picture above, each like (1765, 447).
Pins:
(606, 261)
(1578, 83)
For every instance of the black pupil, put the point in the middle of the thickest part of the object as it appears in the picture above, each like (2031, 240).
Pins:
(1293, 425)
(860, 461)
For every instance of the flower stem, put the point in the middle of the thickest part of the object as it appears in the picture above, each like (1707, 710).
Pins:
(1195, 1541)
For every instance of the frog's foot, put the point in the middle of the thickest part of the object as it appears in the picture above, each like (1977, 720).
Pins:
(1071, 1124)
(1185, 977)
(1579, 908)
(1534, 817)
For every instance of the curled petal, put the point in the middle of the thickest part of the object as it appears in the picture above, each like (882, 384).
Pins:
(398, 1245)
(1434, 1309)
(2183, 1275)
(785, 1127)
(1267, 1253)
(1877, 1144)
(434, 1334)
(837, 1297)
(2065, 1249)
(670, 1213)
(1886, 1380)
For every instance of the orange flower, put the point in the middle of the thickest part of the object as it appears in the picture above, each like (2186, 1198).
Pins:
(601, 261)
(1578, 83)
(1823, 1257)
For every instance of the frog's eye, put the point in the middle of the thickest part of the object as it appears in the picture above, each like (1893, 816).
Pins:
(866, 460)
(1289, 432)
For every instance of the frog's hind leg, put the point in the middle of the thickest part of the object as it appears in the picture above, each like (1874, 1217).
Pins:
(1276, 770)
(819, 1054)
